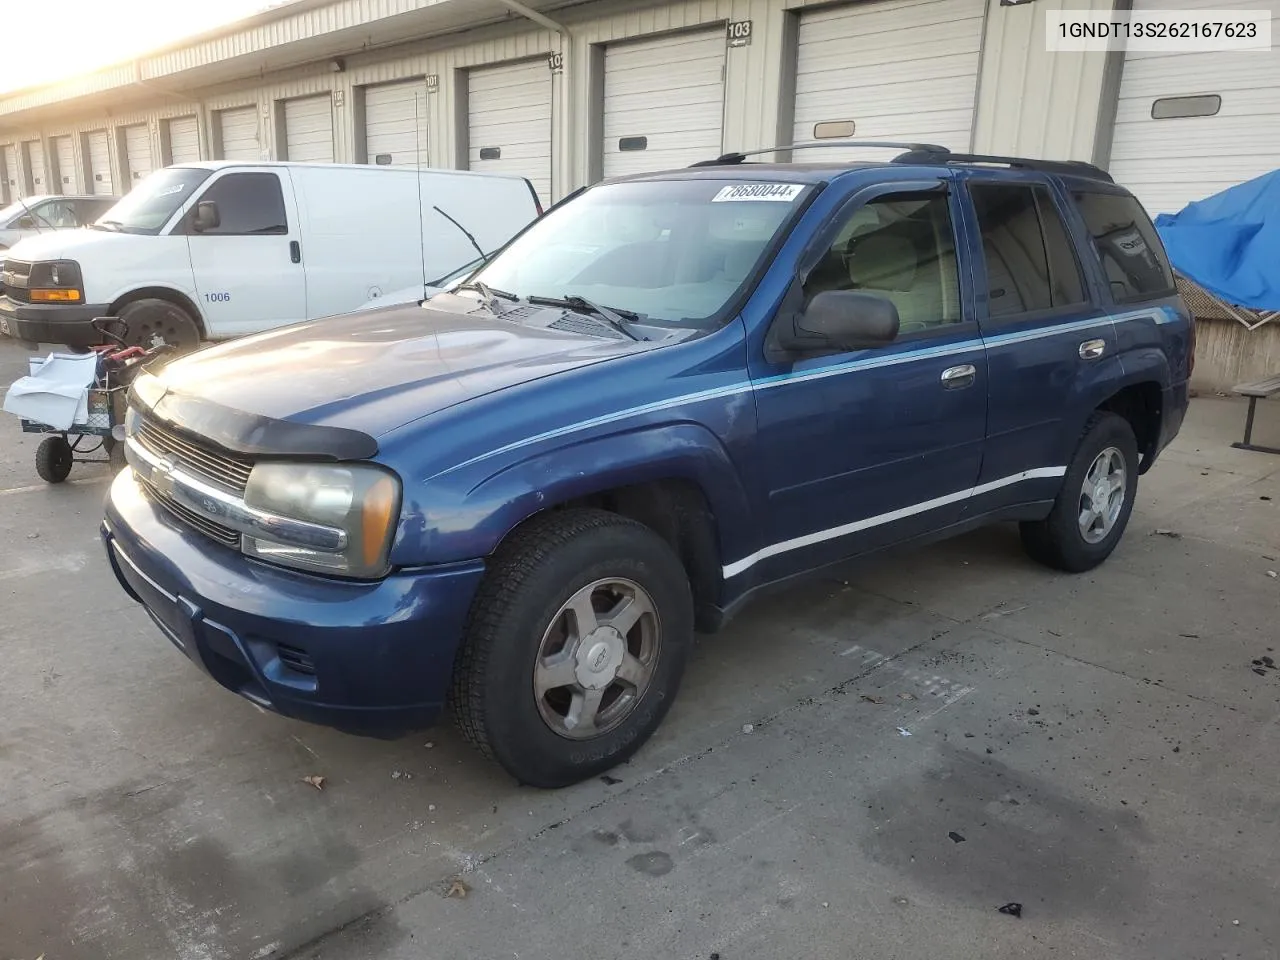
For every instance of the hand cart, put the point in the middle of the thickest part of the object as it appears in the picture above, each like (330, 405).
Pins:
(101, 438)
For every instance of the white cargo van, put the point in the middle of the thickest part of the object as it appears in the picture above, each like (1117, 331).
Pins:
(207, 251)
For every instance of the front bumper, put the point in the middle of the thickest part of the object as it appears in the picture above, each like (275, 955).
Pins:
(57, 323)
(369, 658)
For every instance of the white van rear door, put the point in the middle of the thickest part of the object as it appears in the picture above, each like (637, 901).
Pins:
(249, 269)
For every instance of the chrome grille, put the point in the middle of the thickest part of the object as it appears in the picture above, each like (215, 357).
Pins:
(203, 462)
(214, 531)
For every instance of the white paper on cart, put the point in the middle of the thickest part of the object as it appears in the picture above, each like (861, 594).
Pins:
(57, 391)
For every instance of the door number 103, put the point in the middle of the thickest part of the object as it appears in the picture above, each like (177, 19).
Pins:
(218, 297)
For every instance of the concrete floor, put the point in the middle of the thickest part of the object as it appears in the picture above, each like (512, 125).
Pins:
(1099, 742)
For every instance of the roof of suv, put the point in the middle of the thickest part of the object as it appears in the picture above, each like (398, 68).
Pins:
(912, 154)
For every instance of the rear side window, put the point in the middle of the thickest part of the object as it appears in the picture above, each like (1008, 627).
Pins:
(1028, 255)
(249, 204)
(1126, 244)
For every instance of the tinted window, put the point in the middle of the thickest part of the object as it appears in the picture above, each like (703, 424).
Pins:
(1030, 265)
(249, 204)
(1126, 243)
(900, 247)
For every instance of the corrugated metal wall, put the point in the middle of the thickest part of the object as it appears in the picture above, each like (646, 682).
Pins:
(1029, 102)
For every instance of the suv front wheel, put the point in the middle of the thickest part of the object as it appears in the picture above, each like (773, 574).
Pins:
(1093, 506)
(575, 647)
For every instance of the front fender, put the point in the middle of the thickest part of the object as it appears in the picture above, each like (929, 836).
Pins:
(456, 521)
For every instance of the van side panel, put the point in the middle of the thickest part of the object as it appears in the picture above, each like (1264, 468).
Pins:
(493, 209)
(360, 234)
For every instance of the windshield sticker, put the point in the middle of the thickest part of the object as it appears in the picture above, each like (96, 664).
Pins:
(168, 191)
(776, 192)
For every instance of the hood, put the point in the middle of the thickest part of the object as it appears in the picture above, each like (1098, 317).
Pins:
(64, 244)
(378, 369)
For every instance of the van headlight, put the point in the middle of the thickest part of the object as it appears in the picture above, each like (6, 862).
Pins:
(361, 500)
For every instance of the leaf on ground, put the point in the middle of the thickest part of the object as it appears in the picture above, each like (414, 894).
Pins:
(317, 782)
(870, 699)
(458, 889)
(906, 696)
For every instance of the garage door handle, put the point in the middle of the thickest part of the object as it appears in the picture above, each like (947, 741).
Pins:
(956, 378)
(295, 251)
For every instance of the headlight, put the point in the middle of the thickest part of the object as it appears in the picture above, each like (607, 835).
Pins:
(58, 281)
(361, 500)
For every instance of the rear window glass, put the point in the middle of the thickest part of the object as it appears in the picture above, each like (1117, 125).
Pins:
(1127, 246)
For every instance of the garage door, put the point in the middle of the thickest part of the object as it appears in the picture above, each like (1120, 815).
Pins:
(137, 153)
(663, 102)
(99, 163)
(395, 124)
(308, 129)
(34, 150)
(899, 70)
(64, 153)
(1191, 124)
(184, 140)
(509, 122)
(238, 130)
(9, 173)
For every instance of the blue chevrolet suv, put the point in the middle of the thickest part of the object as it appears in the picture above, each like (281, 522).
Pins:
(522, 497)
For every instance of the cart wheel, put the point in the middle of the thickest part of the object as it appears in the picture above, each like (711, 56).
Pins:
(53, 459)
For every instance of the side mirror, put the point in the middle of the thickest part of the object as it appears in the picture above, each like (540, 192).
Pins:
(26, 223)
(206, 217)
(844, 320)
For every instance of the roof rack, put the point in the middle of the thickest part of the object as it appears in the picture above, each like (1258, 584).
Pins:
(731, 158)
(1070, 168)
(927, 154)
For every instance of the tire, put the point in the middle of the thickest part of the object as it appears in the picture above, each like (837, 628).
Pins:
(519, 615)
(1061, 540)
(151, 322)
(53, 459)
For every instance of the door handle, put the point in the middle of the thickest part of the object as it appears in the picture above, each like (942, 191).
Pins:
(956, 378)
(295, 251)
(1092, 349)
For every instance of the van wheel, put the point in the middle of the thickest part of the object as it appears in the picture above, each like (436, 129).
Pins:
(151, 322)
(575, 647)
(1094, 504)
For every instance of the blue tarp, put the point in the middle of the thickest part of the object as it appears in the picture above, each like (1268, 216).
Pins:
(1229, 243)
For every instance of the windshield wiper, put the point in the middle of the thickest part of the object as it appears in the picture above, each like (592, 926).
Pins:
(620, 320)
(489, 295)
(112, 226)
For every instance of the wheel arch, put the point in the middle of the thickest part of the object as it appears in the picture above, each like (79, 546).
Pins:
(676, 479)
(171, 294)
(1141, 403)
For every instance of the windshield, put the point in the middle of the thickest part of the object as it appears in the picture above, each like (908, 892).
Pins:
(15, 210)
(674, 251)
(148, 206)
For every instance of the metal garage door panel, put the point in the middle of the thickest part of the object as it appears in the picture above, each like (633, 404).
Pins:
(35, 166)
(395, 123)
(308, 127)
(137, 149)
(9, 173)
(99, 164)
(239, 130)
(858, 63)
(184, 140)
(509, 111)
(1168, 163)
(668, 91)
(65, 154)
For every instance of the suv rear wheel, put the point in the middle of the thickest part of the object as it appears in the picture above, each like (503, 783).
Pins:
(575, 647)
(1093, 507)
